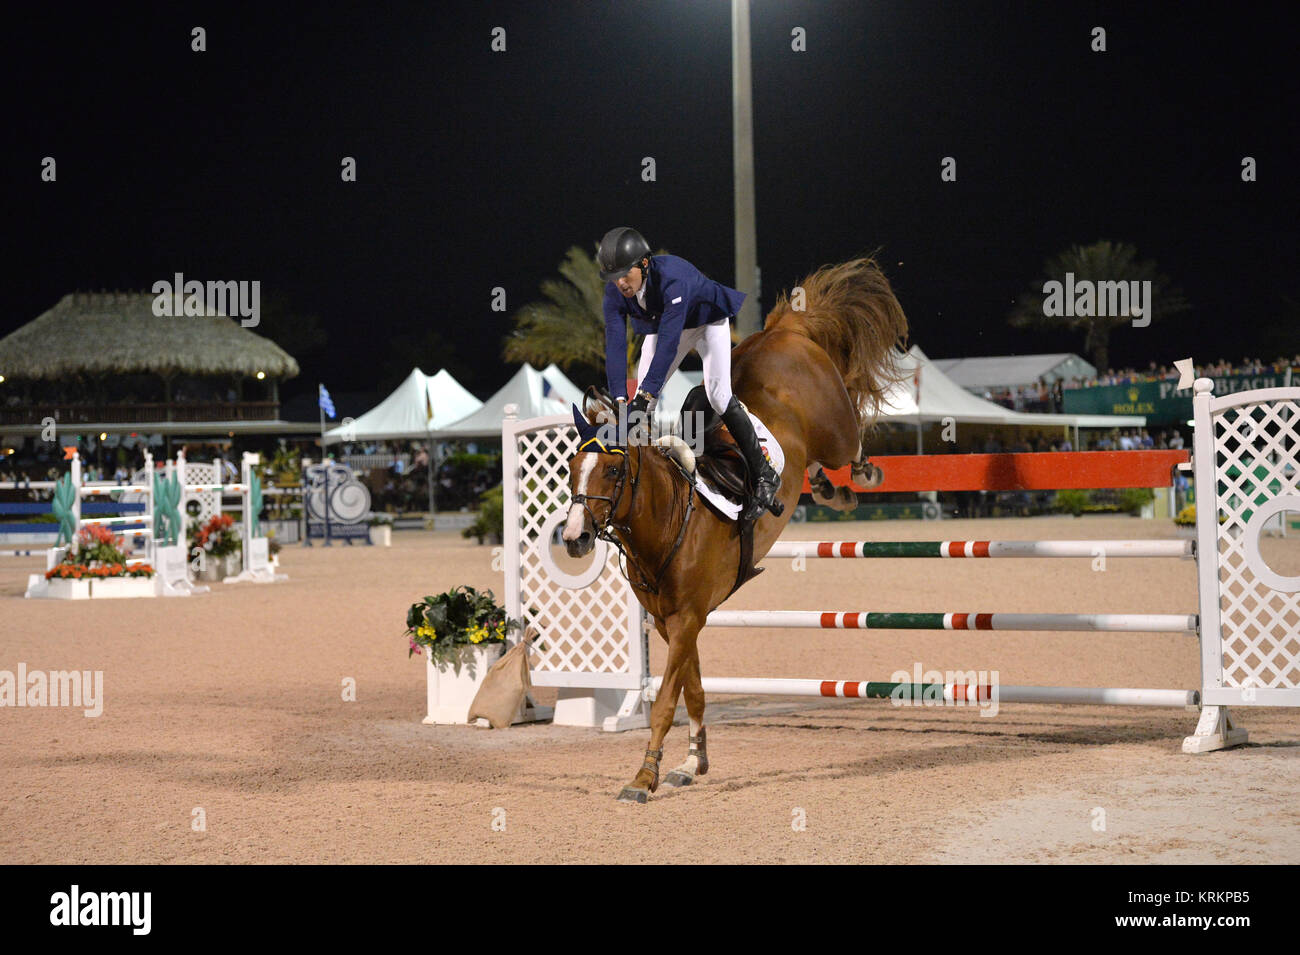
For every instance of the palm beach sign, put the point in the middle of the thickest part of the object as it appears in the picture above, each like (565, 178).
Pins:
(1162, 401)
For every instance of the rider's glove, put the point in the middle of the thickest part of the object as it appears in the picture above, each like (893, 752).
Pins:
(644, 402)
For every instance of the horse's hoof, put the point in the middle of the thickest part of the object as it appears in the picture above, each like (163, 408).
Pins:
(678, 778)
(632, 794)
(869, 477)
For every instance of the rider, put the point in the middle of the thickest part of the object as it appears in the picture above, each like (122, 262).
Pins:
(678, 309)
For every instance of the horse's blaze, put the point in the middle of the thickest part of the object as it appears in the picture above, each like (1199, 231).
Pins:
(573, 527)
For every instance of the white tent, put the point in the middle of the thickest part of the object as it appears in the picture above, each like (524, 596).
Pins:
(537, 393)
(941, 397)
(1005, 371)
(406, 412)
(550, 392)
(668, 408)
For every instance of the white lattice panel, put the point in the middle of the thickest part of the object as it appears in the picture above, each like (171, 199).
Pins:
(1250, 611)
(209, 501)
(588, 636)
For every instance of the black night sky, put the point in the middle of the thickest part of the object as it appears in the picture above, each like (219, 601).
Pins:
(479, 169)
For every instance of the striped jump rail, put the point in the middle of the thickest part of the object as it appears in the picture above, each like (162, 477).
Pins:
(1065, 622)
(108, 509)
(102, 490)
(950, 693)
(949, 549)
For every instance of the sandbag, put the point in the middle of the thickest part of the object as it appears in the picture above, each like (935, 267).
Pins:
(504, 686)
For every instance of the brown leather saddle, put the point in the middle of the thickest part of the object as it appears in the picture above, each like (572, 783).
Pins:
(723, 468)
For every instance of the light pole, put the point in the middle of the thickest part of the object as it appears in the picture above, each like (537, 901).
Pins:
(742, 148)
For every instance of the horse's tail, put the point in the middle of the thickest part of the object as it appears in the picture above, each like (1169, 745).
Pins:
(851, 312)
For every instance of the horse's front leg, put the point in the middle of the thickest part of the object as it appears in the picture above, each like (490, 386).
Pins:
(681, 647)
(824, 492)
(866, 474)
(697, 755)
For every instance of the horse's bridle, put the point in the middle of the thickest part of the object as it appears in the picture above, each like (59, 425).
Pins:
(613, 500)
(604, 529)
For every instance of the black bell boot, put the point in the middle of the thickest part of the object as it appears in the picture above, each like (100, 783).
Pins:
(766, 481)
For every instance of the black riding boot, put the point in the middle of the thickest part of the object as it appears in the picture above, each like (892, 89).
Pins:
(766, 481)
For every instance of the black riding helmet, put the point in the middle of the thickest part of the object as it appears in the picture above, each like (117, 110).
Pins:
(619, 251)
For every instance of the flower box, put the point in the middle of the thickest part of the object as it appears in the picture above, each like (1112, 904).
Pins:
(213, 570)
(381, 535)
(450, 693)
(67, 588)
(96, 588)
(112, 587)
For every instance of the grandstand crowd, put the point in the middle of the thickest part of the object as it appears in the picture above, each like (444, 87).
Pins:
(1042, 397)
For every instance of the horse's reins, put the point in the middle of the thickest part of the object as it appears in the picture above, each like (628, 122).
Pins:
(603, 528)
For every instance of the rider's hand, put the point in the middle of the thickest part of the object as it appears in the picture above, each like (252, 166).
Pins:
(643, 402)
(639, 427)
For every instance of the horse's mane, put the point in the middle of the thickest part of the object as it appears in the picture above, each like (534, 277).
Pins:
(851, 312)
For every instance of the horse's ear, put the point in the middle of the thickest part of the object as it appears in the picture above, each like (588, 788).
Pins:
(580, 422)
(586, 429)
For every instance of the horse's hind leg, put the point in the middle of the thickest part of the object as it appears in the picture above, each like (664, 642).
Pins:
(697, 756)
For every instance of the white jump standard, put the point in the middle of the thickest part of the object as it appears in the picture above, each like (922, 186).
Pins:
(170, 560)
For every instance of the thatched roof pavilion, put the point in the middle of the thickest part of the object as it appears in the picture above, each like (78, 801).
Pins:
(107, 358)
(118, 333)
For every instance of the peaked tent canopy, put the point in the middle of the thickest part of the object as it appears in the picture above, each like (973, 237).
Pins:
(549, 392)
(679, 384)
(941, 397)
(406, 412)
(536, 393)
(1006, 371)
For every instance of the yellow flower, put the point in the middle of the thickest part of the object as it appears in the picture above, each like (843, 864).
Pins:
(424, 630)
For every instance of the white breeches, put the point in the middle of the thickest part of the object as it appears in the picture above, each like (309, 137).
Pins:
(713, 344)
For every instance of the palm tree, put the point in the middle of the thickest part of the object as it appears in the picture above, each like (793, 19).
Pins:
(1102, 261)
(568, 328)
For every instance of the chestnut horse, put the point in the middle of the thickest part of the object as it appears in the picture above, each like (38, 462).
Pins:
(815, 376)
